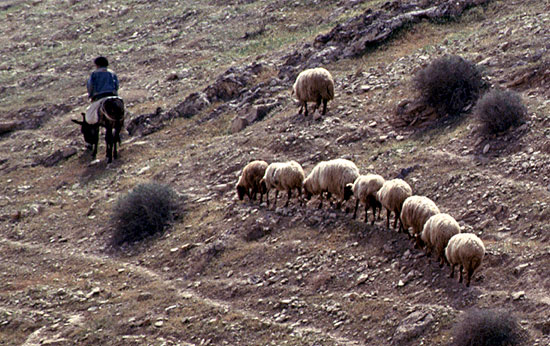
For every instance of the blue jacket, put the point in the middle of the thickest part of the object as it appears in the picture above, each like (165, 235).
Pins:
(102, 82)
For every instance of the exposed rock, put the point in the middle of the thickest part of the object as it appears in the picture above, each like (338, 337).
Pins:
(412, 327)
(193, 104)
(238, 124)
(9, 126)
(56, 157)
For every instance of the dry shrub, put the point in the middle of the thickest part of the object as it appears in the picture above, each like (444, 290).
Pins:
(144, 211)
(485, 327)
(449, 84)
(498, 110)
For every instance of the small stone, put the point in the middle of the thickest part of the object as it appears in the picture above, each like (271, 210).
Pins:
(159, 324)
(400, 283)
(518, 295)
(362, 278)
(486, 148)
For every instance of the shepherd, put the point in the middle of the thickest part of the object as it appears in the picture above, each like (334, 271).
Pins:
(106, 110)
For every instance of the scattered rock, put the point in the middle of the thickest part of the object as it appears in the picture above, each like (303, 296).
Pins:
(56, 157)
(412, 327)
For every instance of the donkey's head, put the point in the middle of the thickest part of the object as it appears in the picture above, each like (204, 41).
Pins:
(90, 131)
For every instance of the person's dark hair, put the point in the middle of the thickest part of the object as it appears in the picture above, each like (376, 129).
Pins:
(101, 61)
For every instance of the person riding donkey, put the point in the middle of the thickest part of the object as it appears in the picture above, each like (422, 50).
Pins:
(106, 110)
(102, 83)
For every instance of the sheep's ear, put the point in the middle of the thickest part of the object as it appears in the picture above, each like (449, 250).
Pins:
(77, 122)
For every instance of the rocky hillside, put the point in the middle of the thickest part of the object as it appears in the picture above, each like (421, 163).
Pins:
(207, 89)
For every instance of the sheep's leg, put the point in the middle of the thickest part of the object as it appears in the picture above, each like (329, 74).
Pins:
(317, 103)
(300, 199)
(366, 213)
(321, 201)
(356, 206)
(261, 197)
(469, 277)
(276, 196)
(325, 106)
(395, 220)
(452, 271)
(388, 219)
(305, 106)
(460, 272)
(288, 199)
(267, 198)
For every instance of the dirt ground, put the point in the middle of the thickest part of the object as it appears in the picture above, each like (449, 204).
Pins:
(230, 272)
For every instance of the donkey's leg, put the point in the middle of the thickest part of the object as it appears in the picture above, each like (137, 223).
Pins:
(109, 143)
(116, 140)
(96, 142)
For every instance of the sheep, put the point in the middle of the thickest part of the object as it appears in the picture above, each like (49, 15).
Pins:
(466, 250)
(414, 214)
(436, 234)
(249, 181)
(314, 85)
(282, 176)
(332, 177)
(391, 195)
(364, 189)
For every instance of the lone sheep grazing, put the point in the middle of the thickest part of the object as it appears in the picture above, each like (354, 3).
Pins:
(436, 234)
(249, 181)
(314, 85)
(282, 176)
(333, 177)
(364, 189)
(392, 195)
(416, 211)
(466, 250)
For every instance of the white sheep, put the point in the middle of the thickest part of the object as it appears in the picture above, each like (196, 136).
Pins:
(436, 234)
(314, 85)
(249, 180)
(391, 195)
(466, 250)
(332, 177)
(282, 176)
(364, 189)
(414, 214)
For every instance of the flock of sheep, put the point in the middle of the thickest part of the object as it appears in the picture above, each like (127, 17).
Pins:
(437, 232)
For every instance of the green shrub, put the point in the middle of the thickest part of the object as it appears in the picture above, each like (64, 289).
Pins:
(144, 211)
(498, 110)
(485, 327)
(449, 84)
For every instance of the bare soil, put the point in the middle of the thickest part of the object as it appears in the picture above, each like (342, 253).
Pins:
(229, 272)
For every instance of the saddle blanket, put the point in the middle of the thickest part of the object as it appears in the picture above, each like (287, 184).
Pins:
(92, 116)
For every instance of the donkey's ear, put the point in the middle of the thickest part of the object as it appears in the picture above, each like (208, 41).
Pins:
(77, 122)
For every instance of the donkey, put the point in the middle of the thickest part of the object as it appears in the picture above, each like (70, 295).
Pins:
(110, 116)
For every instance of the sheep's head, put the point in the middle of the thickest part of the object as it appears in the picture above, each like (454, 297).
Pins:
(241, 191)
(90, 131)
(348, 191)
(307, 190)
(263, 186)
